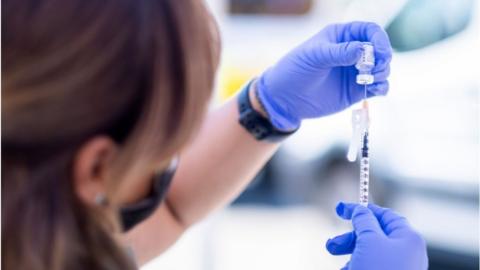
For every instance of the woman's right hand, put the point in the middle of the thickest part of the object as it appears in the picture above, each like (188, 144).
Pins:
(381, 240)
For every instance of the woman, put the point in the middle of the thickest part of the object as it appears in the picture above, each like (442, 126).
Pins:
(99, 97)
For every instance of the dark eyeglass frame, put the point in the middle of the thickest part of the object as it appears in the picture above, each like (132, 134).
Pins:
(145, 207)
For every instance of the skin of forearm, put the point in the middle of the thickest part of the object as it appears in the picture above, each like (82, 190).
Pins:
(217, 166)
(213, 170)
(153, 236)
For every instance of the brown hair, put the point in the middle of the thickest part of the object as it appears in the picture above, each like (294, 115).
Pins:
(140, 71)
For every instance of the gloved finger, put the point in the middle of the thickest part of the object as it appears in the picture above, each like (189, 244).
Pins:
(346, 266)
(339, 54)
(367, 32)
(381, 75)
(341, 244)
(364, 221)
(369, 95)
(345, 210)
(378, 89)
(390, 221)
(380, 65)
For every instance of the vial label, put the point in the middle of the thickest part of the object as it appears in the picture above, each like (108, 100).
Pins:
(365, 65)
(367, 60)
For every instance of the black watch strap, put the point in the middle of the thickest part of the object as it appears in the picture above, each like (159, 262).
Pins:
(260, 127)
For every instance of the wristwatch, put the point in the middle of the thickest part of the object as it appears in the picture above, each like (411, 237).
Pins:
(259, 126)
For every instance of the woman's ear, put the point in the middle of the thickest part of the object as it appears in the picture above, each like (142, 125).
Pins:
(90, 169)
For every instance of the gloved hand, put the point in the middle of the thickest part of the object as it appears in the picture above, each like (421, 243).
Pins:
(318, 77)
(381, 240)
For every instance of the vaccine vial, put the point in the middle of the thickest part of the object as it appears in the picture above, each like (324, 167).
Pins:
(365, 65)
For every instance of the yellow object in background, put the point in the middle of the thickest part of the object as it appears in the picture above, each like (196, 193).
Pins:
(232, 78)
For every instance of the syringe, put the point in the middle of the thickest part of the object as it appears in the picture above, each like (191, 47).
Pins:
(364, 171)
(360, 122)
(364, 160)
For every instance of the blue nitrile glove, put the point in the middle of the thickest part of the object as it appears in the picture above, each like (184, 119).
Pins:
(381, 240)
(318, 77)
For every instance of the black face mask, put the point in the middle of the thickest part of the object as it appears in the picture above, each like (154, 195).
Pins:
(133, 214)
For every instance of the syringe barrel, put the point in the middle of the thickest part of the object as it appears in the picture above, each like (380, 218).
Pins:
(365, 145)
(364, 180)
(364, 172)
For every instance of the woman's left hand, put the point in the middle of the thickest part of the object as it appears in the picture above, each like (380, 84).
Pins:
(318, 77)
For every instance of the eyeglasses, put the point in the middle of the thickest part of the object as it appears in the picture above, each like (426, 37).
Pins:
(137, 212)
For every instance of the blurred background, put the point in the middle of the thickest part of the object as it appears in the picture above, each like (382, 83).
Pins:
(424, 139)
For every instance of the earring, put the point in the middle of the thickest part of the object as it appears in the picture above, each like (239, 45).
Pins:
(101, 199)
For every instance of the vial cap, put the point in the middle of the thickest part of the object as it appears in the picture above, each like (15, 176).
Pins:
(364, 79)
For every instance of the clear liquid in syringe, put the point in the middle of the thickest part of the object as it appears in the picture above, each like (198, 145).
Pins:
(364, 171)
